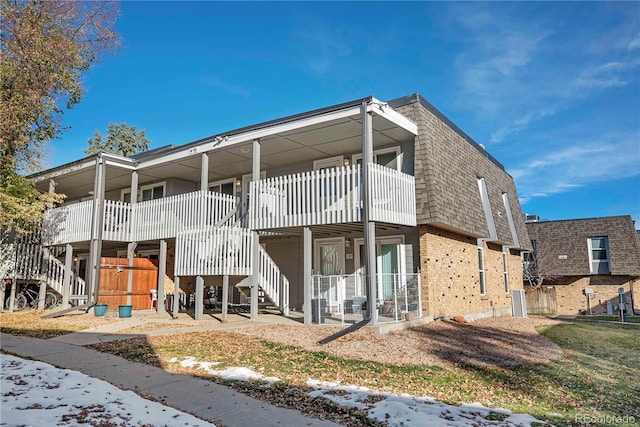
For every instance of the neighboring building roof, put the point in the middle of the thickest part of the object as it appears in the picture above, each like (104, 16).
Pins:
(562, 245)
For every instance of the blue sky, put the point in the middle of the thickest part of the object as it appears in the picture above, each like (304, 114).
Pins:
(551, 89)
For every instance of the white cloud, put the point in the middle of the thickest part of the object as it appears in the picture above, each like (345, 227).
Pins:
(634, 43)
(215, 81)
(610, 74)
(519, 125)
(608, 157)
(324, 46)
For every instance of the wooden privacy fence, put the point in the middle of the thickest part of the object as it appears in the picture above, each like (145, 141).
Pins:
(541, 300)
(114, 274)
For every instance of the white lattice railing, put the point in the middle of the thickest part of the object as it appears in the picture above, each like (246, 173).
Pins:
(332, 196)
(392, 195)
(224, 250)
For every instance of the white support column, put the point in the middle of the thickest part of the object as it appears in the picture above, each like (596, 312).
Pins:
(176, 296)
(68, 275)
(132, 245)
(199, 298)
(225, 297)
(255, 265)
(204, 173)
(369, 225)
(162, 270)
(12, 293)
(97, 225)
(306, 273)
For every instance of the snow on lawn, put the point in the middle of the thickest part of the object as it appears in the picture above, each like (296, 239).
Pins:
(397, 410)
(406, 410)
(38, 394)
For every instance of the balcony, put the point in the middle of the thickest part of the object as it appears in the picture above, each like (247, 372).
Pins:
(149, 220)
(332, 196)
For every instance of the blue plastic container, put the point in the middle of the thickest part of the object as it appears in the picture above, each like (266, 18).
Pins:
(100, 309)
(124, 311)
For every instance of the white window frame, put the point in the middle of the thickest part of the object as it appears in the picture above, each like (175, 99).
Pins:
(395, 149)
(486, 206)
(145, 187)
(222, 182)
(482, 272)
(505, 266)
(592, 261)
(330, 162)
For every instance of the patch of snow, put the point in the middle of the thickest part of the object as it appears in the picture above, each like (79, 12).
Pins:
(38, 394)
(406, 410)
(231, 373)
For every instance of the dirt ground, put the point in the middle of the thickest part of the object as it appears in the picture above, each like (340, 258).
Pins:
(504, 341)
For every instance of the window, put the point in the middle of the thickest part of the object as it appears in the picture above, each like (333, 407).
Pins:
(599, 255)
(486, 206)
(483, 285)
(505, 269)
(145, 192)
(225, 187)
(389, 157)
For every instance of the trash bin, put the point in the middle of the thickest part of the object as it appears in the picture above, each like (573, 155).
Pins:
(318, 309)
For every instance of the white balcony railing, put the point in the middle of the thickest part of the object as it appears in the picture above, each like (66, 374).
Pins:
(224, 250)
(149, 220)
(117, 220)
(332, 196)
(69, 223)
(166, 217)
(317, 197)
(392, 195)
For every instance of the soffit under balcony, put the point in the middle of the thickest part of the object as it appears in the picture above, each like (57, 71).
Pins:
(77, 180)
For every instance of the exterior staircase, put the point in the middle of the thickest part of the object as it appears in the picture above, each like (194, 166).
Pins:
(273, 285)
(225, 249)
(30, 262)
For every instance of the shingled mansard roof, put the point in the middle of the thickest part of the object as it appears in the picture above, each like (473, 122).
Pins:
(563, 249)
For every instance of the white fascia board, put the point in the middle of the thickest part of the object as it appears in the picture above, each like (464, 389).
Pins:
(250, 136)
(383, 110)
(117, 159)
(120, 164)
(91, 163)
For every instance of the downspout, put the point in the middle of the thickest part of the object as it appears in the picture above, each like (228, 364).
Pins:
(633, 306)
(369, 228)
(97, 225)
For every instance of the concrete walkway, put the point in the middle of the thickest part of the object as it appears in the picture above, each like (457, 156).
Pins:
(204, 399)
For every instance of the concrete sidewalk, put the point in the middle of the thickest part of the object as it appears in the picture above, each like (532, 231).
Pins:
(204, 399)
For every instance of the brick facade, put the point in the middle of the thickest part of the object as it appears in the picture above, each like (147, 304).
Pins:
(571, 299)
(450, 275)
